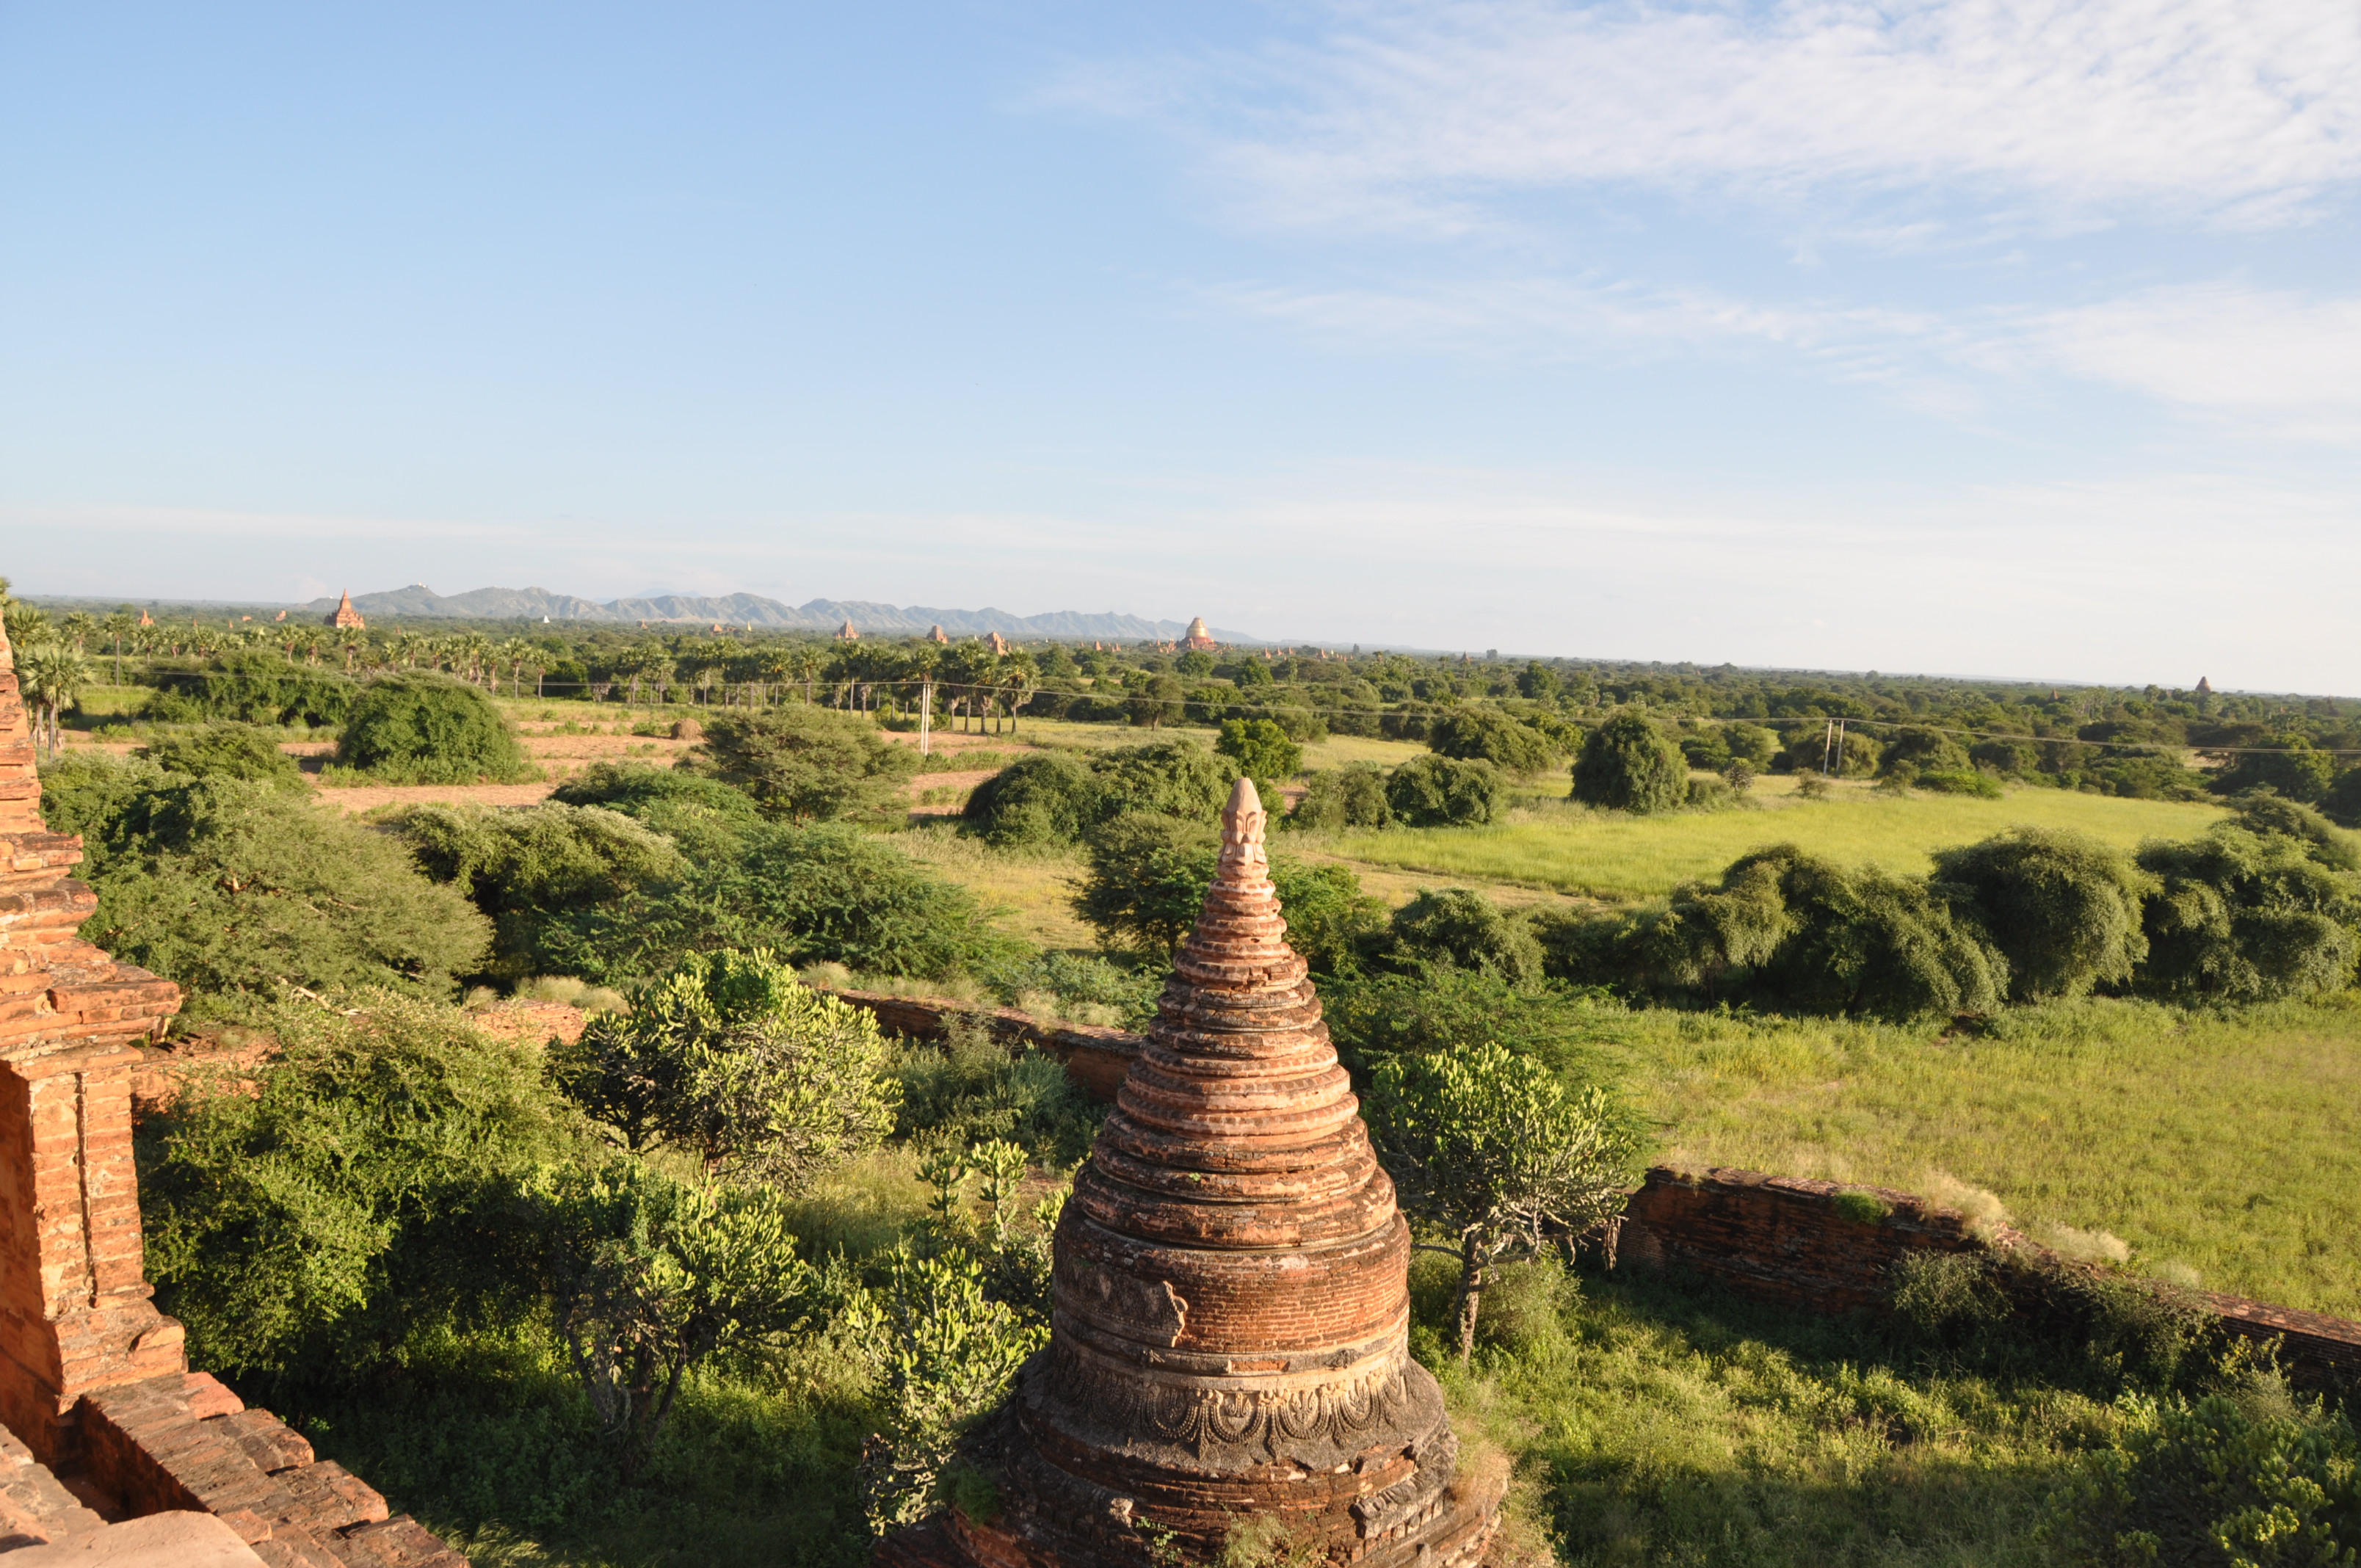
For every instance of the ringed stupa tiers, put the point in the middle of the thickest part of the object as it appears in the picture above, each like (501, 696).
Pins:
(1198, 636)
(1229, 1334)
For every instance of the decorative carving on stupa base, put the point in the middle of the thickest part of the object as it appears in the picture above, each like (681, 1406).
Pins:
(1230, 1318)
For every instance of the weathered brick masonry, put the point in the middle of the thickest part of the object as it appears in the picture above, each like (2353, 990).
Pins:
(94, 1380)
(1786, 1240)
(1229, 1333)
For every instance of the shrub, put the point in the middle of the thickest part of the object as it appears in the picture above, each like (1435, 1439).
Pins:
(730, 1055)
(1445, 792)
(1968, 782)
(1488, 734)
(254, 687)
(1628, 765)
(644, 791)
(805, 765)
(233, 888)
(2242, 915)
(2245, 1477)
(1460, 926)
(821, 894)
(1711, 795)
(2342, 803)
(1262, 749)
(1048, 797)
(2291, 769)
(1917, 750)
(422, 727)
(1340, 799)
(2265, 813)
(1169, 778)
(357, 1178)
(527, 867)
(1751, 743)
(225, 750)
(2063, 908)
(973, 1088)
(2009, 759)
(1949, 1297)
(1862, 942)
(1378, 1014)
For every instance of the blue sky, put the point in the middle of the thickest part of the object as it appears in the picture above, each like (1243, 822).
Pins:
(1993, 336)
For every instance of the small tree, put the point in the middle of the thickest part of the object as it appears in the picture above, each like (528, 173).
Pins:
(1262, 749)
(1627, 764)
(650, 1277)
(1342, 799)
(1046, 798)
(1488, 733)
(730, 1056)
(1447, 792)
(422, 727)
(1492, 1152)
(2063, 907)
(225, 750)
(805, 765)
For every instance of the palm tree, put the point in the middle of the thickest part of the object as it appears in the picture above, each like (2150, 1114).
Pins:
(53, 676)
(1019, 675)
(78, 627)
(351, 640)
(118, 626)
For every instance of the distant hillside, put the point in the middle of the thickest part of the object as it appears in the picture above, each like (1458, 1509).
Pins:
(417, 600)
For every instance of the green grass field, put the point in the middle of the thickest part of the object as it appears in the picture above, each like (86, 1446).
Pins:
(1568, 848)
(2229, 1144)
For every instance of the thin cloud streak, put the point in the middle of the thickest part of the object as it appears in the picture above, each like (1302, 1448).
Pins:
(1413, 115)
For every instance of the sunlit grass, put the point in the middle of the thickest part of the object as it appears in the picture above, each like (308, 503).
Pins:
(1033, 889)
(1609, 855)
(2228, 1143)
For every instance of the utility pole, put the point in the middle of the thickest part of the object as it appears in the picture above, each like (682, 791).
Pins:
(925, 712)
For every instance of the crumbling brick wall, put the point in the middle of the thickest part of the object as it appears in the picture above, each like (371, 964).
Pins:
(1789, 1241)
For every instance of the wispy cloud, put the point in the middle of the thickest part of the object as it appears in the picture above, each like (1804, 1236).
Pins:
(2270, 360)
(1419, 114)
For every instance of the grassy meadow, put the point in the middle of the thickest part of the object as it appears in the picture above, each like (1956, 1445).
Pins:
(1569, 849)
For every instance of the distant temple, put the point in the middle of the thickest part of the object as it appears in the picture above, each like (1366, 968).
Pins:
(935, 634)
(1198, 636)
(2204, 686)
(845, 634)
(346, 615)
(999, 644)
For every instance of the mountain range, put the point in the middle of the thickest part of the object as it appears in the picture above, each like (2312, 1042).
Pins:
(417, 600)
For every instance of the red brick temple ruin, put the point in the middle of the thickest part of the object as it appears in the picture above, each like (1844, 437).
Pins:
(344, 616)
(1230, 1331)
(114, 1452)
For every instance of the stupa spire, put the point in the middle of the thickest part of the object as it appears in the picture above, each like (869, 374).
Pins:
(1229, 1332)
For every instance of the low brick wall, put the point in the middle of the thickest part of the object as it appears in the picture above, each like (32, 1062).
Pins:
(1786, 1240)
(183, 1442)
(1096, 1059)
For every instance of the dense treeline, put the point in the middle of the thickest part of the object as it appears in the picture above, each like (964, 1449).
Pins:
(1518, 714)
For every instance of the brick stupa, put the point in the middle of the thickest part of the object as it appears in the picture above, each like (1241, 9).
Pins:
(1230, 1328)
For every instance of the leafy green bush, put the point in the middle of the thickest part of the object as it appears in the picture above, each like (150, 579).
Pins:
(225, 750)
(1047, 797)
(2242, 1478)
(805, 765)
(1457, 925)
(418, 727)
(235, 888)
(2291, 768)
(2342, 803)
(1864, 942)
(1171, 778)
(973, 1088)
(644, 791)
(527, 867)
(730, 1055)
(1262, 749)
(253, 687)
(357, 1180)
(1628, 765)
(1487, 734)
(1711, 795)
(2063, 908)
(1968, 782)
(2242, 915)
(1445, 792)
(1339, 799)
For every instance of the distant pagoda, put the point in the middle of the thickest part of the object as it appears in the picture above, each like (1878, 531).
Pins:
(346, 617)
(1230, 1319)
(1199, 637)
(846, 633)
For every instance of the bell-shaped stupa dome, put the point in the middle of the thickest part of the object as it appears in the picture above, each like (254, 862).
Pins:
(1229, 1336)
